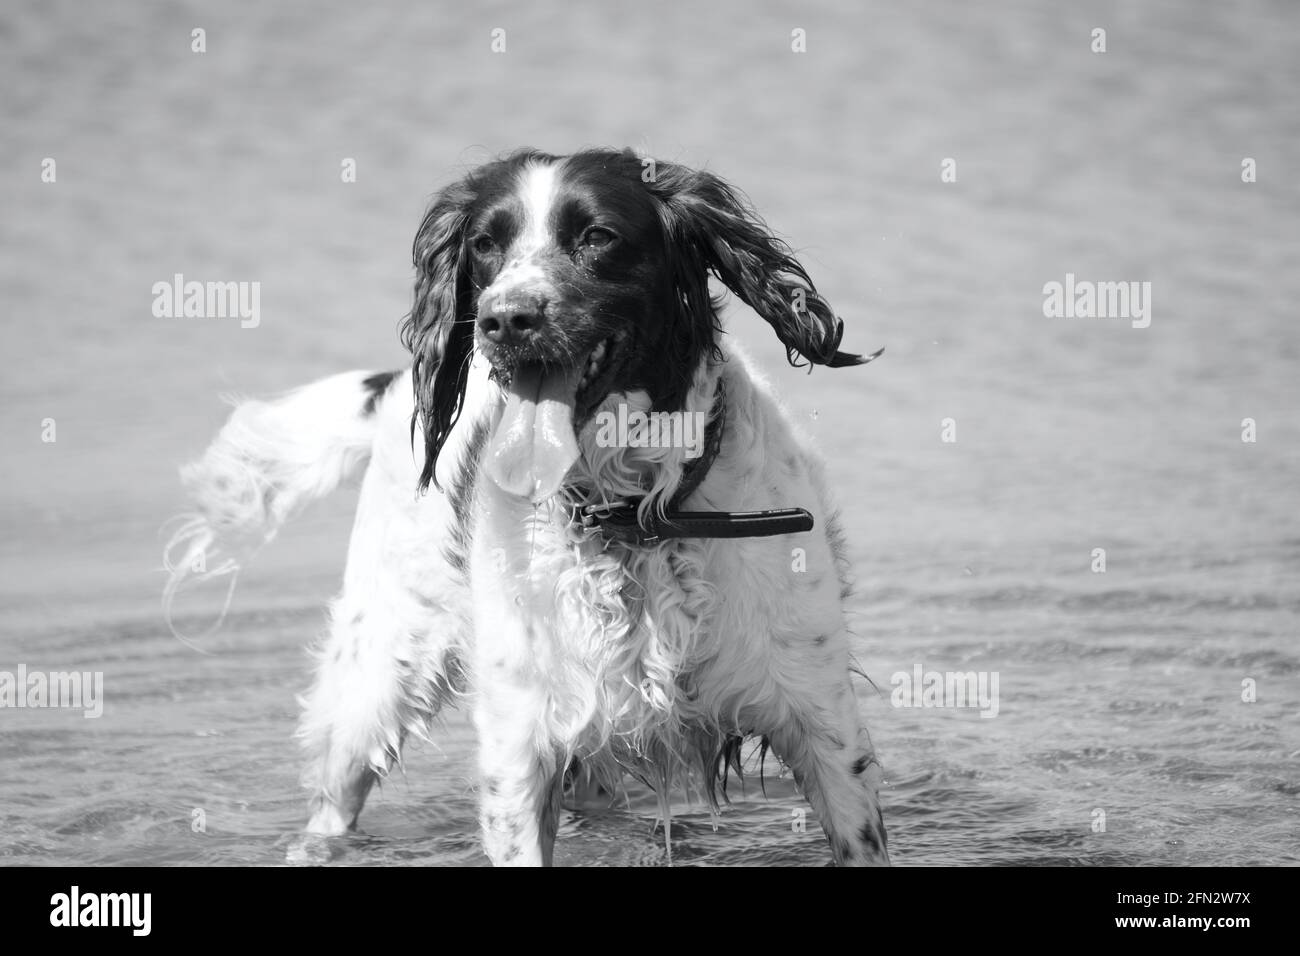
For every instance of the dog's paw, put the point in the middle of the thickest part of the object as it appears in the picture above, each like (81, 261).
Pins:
(312, 849)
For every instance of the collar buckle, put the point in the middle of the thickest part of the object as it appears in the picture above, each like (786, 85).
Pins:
(618, 519)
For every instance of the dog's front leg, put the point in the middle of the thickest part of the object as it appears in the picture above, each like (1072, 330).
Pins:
(519, 802)
(513, 614)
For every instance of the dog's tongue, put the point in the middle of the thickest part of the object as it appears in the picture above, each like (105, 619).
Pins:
(534, 445)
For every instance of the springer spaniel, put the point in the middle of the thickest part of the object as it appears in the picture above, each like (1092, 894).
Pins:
(601, 597)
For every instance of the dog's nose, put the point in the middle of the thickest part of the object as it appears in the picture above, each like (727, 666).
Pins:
(512, 318)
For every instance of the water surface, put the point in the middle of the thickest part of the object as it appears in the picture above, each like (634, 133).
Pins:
(1119, 692)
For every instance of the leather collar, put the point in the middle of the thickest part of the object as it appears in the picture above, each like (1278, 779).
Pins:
(618, 520)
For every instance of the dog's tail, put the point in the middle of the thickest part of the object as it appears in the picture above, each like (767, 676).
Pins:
(267, 463)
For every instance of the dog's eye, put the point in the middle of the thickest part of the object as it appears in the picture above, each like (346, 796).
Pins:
(597, 238)
(483, 245)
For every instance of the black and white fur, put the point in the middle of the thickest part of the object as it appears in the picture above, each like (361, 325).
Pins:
(471, 582)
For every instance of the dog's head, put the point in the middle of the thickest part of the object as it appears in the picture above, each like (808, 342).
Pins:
(584, 275)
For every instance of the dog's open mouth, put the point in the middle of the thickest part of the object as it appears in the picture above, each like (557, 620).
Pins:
(535, 443)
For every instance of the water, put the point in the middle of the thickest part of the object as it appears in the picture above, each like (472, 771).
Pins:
(1119, 692)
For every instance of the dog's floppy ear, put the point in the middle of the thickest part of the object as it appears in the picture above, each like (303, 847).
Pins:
(718, 228)
(440, 328)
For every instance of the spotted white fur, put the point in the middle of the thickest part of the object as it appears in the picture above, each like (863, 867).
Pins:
(647, 658)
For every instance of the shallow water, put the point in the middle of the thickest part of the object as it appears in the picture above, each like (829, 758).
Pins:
(1119, 692)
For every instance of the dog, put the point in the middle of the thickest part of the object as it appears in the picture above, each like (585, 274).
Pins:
(603, 604)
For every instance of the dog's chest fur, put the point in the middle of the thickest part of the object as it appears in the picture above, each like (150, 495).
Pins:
(639, 647)
(617, 633)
